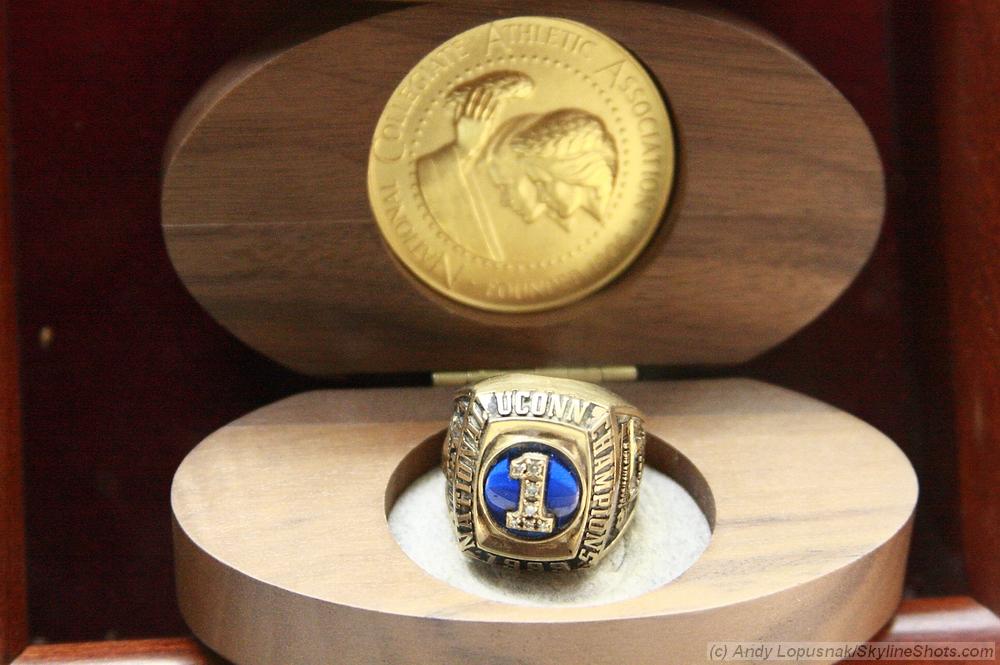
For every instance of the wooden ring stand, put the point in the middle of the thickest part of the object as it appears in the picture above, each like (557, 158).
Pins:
(283, 550)
(284, 554)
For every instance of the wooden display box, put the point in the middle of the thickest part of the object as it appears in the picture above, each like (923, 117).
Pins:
(704, 294)
(778, 202)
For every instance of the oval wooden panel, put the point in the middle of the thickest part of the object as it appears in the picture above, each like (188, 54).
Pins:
(284, 554)
(777, 204)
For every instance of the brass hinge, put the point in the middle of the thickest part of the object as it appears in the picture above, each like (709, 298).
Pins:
(589, 374)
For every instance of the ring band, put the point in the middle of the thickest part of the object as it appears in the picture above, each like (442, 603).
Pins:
(542, 473)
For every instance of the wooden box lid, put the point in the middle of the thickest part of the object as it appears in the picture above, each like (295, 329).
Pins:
(777, 203)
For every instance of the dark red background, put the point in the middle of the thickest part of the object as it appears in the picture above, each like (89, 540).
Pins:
(135, 374)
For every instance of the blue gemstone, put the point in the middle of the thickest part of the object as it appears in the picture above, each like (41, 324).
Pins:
(502, 493)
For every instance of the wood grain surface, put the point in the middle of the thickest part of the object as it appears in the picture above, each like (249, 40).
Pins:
(958, 619)
(13, 603)
(778, 203)
(952, 618)
(164, 651)
(948, 619)
(283, 552)
(966, 79)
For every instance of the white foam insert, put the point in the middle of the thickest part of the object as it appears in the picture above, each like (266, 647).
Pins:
(668, 533)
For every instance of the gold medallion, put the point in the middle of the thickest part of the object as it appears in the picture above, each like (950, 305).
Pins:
(522, 165)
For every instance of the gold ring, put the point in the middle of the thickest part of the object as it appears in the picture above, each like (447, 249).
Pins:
(542, 473)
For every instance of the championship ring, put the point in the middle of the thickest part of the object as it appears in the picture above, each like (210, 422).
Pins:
(542, 473)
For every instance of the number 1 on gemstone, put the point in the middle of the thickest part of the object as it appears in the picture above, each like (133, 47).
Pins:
(532, 470)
